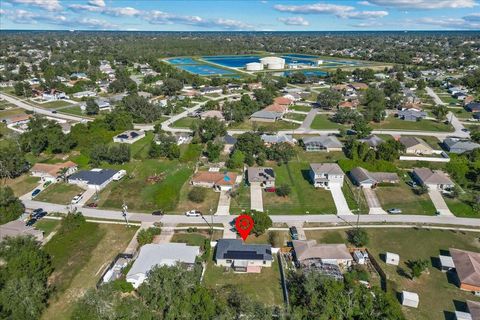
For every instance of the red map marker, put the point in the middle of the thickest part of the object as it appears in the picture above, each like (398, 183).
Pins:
(244, 225)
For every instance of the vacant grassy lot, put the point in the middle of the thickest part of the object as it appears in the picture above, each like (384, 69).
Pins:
(61, 193)
(300, 108)
(22, 184)
(210, 202)
(355, 197)
(139, 149)
(141, 195)
(11, 112)
(295, 116)
(265, 126)
(185, 122)
(263, 287)
(79, 259)
(322, 121)
(437, 293)
(461, 208)
(195, 238)
(76, 111)
(241, 202)
(402, 196)
(54, 104)
(47, 226)
(303, 197)
(423, 125)
(320, 156)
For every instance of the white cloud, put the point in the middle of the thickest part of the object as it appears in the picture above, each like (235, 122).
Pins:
(363, 15)
(368, 24)
(91, 23)
(294, 21)
(364, 3)
(97, 3)
(473, 17)
(49, 5)
(111, 11)
(316, 8)
(449, 23)
(425, 4)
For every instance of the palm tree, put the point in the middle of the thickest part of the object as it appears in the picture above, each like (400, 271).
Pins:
(63, 173)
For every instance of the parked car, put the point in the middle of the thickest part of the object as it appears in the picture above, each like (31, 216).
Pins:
(77, 198)
(37, 210)
(193, 213)
(31, 222)
(412, 184)
(394, 211)
(92, 205)
(39, 214)
(294, 233)
(46, 184)
(35, 192)
(158, 213)
(270, 190)
(54, 111)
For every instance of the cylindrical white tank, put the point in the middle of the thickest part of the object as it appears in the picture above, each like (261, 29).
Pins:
(275, 66)
(254, 66)
(273, 63)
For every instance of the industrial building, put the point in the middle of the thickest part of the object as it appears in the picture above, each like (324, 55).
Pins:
(273, 63)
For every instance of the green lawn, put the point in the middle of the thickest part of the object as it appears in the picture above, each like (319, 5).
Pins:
(184, 122)
(54, 104)
(264, 126)
(61, 193)
(78, 258)
(76, 110)
(322, 121)
(319, 156)
(461, 208)
(47, 225)
(241, 202)
(22, 184)
(437, 294)
(300, 108)
(423, 125)
(402, 196)
(295, 116)
(190, 152)
(141, 195)
(355, 197)
(461, 113)
(210, 202)
(195, 238)
(139, 149)
(303, 197)
(264, 287)
(11, 112)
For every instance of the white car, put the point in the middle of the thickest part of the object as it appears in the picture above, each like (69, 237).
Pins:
(193, 213)
(77, 199)
(394, 211)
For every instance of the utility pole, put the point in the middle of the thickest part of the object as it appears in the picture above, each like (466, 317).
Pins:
(124, 212)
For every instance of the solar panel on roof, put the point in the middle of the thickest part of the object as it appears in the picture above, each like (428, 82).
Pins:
(134, 134)
(231, 254)
(123, 136)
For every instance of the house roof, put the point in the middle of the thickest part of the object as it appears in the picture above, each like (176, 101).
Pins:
(212, 114)
(326, 141)
(359, 85)
(276, 108)
(266, 115)
(412, 113)
(409, 141)
(18, 118)
(270, 138)
(465, 145)
(427, 176)
(467, 265)
(360, 175)
(311, 250)
(163, 254)
(218, 178)
(260, 174)
(282, 101)
(18, 228)
(228, 139)
(474, 309)
(52, 169)
(345, 104)
(235, 249)
(372, 140)
(326, 168)
(94, 176)
(473, 106)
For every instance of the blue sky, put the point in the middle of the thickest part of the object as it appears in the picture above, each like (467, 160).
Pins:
(257, 15)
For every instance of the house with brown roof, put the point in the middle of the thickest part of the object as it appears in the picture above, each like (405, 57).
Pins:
(17, 119)
(414, 145)
(346, 105)
(434, 180)
(283, 101)
(276, 108)
(219, 181)
(53, 172)
(467, 266)
(308, 251)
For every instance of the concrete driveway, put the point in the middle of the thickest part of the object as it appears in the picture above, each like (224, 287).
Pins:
(439, 203)
(373, 202)
(223, 207)
(256, 200)
(339, 199)
(300, 230)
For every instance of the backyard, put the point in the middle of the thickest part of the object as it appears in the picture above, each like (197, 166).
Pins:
(60, 193)
(23, 184)
(401, 196)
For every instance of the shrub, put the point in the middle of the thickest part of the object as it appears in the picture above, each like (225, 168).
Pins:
(283, 190)
(122, 286)
(275, 239)
(358, 237)
(146, 236)
(197, 194)
(417, 267)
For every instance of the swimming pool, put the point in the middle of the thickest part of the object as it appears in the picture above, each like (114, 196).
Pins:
(204, 70)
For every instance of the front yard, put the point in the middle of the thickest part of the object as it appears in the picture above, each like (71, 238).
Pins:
(60, 193)
(23, 184)
(401, 196)
(423, 125)
(210, 202)
(322, 122)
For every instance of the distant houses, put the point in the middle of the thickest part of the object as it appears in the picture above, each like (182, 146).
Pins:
(324, 175)
(411, 115)
(363, 178)
(322, 143)
(415, 145)
(433, 180)
(241, 257)
(270, 139)
(219, 181)
(84, 94)
(459, 146)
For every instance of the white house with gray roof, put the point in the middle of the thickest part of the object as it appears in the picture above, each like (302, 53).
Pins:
(433, 180)
(241, 257)
(325, 175)
(95, 178)
(459, 146)
(270, 139)
(266, 116)
(322, 143)
(166, 254)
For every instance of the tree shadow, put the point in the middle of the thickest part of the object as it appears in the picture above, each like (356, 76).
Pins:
(435, 261)
(403, 273)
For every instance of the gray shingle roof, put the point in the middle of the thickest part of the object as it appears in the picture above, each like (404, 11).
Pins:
(326, 141)
(95, 177)
(427, 176)
(267, 115)
(373, 141)
(235, 249)
(409, 142)
(328, 168)
(460, 145)
(260, 174)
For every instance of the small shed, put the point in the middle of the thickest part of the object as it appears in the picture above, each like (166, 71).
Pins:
(359, 257)
(446, 263)
(392, 258)
(460, 315)
(410, 299)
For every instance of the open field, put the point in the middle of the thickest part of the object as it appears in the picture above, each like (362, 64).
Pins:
(47, 225)
(196, 238)
(54, 104)
(241, 202)
(295, 116)
(265, 126)
(210, 202)
(263, 287)
(461, 208)
(303, 197)
(322, 121)
(61, 193)
(79, 258)
(139, 149)
(401, 196)
(11, 112)
(141, 195)
(22, 184)
(423, 125)
(438, 295)
(184, 122)
(75, 110)
(300, 108)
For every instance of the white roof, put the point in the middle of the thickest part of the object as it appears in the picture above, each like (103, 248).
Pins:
(446, 261)
(412, 296)
(162, 254)
(459, 315)
(392, 256)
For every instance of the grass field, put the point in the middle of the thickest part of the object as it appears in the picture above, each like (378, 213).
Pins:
(23, 184)
(300, 108)
(264, 126)
(355, 197)
(242, 201)
(322, 121)
(73, 110)
(141, 195)
(195, 238)
(303, 197)
(461, 208)
(185, 122)
(210, 202)
(54, 104)
(295, 116)
(263, 287)
(47, 226)
(437, 294)
(11, 112)
(423, 125)
(401, 196)
(61, 193)
(79, 258)
(139, 149)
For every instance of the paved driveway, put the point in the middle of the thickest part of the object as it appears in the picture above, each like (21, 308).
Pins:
(373, 202)
(339, 199)
(439, 202)
(300, 230)
(256, 200)
(309, 119)
(223, 207)
(168, 230)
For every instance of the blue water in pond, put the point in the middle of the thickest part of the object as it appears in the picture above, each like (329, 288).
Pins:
(308, 73)
(204, 70)
(233, 62)
(182, 61)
